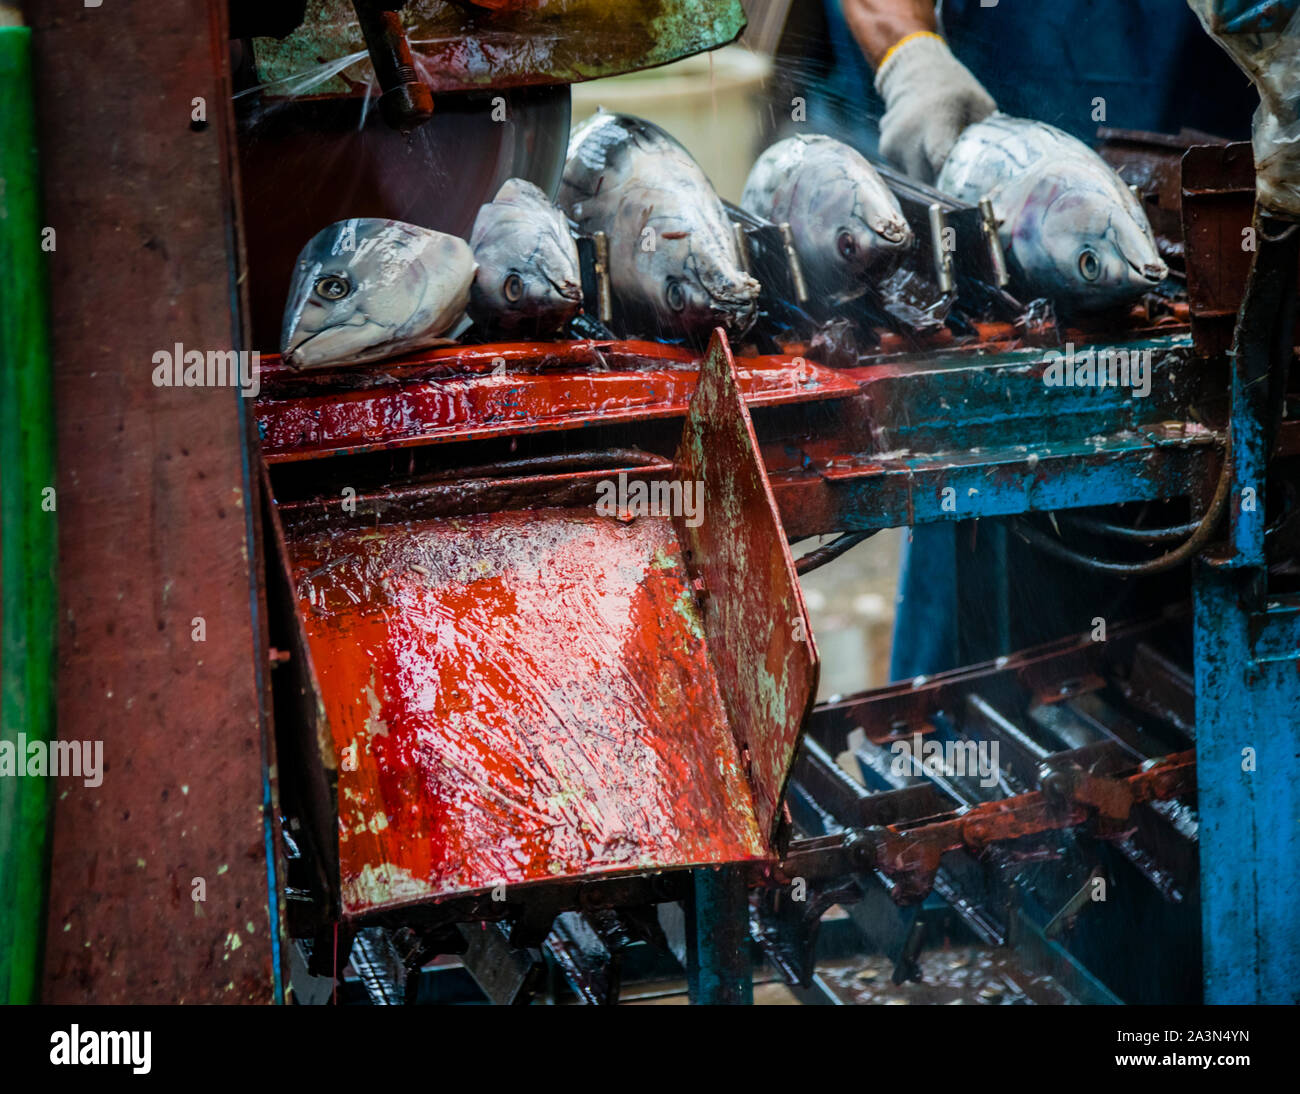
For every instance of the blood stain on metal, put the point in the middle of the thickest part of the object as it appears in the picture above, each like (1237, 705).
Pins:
(545, 698)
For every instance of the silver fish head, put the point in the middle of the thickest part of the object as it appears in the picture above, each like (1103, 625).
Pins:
(855, 246)
(855, 229)
(846, 222)
(703, 292)
(528, 273)
(368, 288)
(1090, 245)
(692, 279)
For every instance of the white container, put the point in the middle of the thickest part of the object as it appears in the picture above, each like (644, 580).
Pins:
(709, 102)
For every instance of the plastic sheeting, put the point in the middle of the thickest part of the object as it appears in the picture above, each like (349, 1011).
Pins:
(1263, 37)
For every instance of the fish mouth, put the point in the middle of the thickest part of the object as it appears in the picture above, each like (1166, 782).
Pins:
(892, 231)
(733, 305)
(295, 354)
(1153, 272)
(568, 290)
(736, 315)
(291, 353)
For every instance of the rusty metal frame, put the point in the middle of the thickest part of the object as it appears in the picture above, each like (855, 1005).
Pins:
(753, 594)
(760, 640)
(157, 509)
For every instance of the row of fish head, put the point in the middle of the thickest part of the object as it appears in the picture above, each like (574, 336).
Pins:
(368, 288)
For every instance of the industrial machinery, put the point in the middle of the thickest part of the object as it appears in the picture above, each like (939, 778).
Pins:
(523, 723)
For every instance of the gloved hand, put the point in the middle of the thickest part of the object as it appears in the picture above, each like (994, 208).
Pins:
(930, 97)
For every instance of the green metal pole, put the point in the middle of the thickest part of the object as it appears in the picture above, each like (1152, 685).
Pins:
(28, 540)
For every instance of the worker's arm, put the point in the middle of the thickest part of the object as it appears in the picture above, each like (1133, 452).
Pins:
(930, 96)
(878, 24)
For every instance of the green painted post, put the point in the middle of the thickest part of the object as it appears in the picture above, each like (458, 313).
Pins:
(28, 539)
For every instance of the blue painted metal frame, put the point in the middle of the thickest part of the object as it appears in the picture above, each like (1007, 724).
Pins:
(949, 424)
(966, 436)
(1248, 690)
(1248, 778)
(1247, 648)
(719, 967)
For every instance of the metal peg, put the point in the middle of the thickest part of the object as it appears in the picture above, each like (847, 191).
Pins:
(989, 225)
(604, 294)
(792, 262)
(742, 244)
(942, 256)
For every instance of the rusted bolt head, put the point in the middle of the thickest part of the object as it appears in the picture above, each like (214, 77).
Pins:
(1055, 783)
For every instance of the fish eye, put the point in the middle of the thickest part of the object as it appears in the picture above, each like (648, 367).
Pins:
(846, 244)
(1089, 264)
(513, 287)
(333, 287)
(675, 294)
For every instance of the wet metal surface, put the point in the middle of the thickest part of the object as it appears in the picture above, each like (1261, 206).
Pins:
(466, 393)
(524, 697)
(760, 640)
(953, 976)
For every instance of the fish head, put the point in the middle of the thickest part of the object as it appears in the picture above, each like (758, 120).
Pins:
(851, 231)
(529, 273)
(713, 291)
(692, 279)
(528, 270)
(1091, 245)
(366, 288)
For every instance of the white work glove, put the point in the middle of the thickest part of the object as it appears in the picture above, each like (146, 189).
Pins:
(930, 97)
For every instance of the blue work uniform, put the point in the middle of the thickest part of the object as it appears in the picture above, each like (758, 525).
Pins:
(1150, 61)
(1079, 64)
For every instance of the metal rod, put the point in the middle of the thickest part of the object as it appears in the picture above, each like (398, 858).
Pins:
(742, 245)
(554, 462)
(406, 102)
(832, 550)
(989, 225)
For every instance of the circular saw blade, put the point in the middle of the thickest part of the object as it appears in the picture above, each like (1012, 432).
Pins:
(306, 163)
